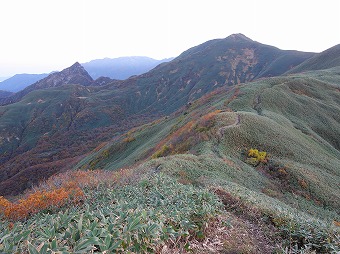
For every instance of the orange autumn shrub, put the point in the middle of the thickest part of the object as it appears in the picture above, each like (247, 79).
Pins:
(207, 121)
(4, 204)
(185, 137)
(38, 201)
(84, 179)
(59, 190)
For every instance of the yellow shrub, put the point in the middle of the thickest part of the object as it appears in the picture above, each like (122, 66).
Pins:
(262, 156)
(253, 153)
(161, 152)
(255, 157)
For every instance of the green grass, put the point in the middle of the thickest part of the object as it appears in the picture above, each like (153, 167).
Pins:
(324, 60)
(135, 218)
(297, 127)
(119, 153)
(294, 119)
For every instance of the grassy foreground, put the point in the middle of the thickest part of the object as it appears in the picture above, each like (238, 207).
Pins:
(145, 211)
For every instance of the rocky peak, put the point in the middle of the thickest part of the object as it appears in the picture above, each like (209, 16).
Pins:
(75, 74)
(239, 37)
(76, 68)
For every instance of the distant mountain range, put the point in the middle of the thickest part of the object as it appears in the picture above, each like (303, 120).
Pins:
(114, 68)
(75, 74)
(20, 81)
(3, 78)
(4, 94)
(56, 106)
(233, 60)
(122, 67)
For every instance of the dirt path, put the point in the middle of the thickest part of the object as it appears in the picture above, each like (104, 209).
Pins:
(248, 233)
(239, 229)
(221, 130)
(229, 234)
(257, 104)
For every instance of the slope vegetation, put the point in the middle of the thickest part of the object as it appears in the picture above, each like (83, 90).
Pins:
(56, 126)
(199, 185)
(4, 94)
(20, 81)
(324, 60)
(122, 67)
(294, 119)
(50, 123)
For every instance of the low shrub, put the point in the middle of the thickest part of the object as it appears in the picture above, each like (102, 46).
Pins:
(184, 138)
(39, 201)
(255, 157)
(309, 236)
(136, 218)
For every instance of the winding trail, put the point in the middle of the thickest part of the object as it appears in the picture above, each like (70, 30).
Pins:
(221, 130)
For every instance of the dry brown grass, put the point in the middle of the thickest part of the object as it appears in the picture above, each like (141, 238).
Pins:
(226, 234)
(237, 230)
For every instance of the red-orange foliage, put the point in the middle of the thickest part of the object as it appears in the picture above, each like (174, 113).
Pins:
(209, 96)
(186, 136)
(59, 190)
(100, 146)
(208, 119)
(4, 204)
(86, 179)
(233, 97)
(39, 201)
(184, 129)
(303, 183)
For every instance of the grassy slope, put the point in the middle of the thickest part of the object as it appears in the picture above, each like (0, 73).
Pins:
(324, 60)
(20, 81)
(64, 122)
(205, 154)
(4, 94)
(56, 125)
(298, 126)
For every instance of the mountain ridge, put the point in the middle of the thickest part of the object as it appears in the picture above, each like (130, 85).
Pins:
(210, 65)
(20, 81)
(122, 67)
(326, 59)
(206, 153)
(75, 74)
(65, 109)
(4, 94)
(114, 68)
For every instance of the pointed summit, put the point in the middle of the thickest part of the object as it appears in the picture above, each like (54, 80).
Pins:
(239, 37)
(76, 64)
(75, 74)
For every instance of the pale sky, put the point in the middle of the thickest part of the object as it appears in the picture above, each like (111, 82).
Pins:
(45, 35)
